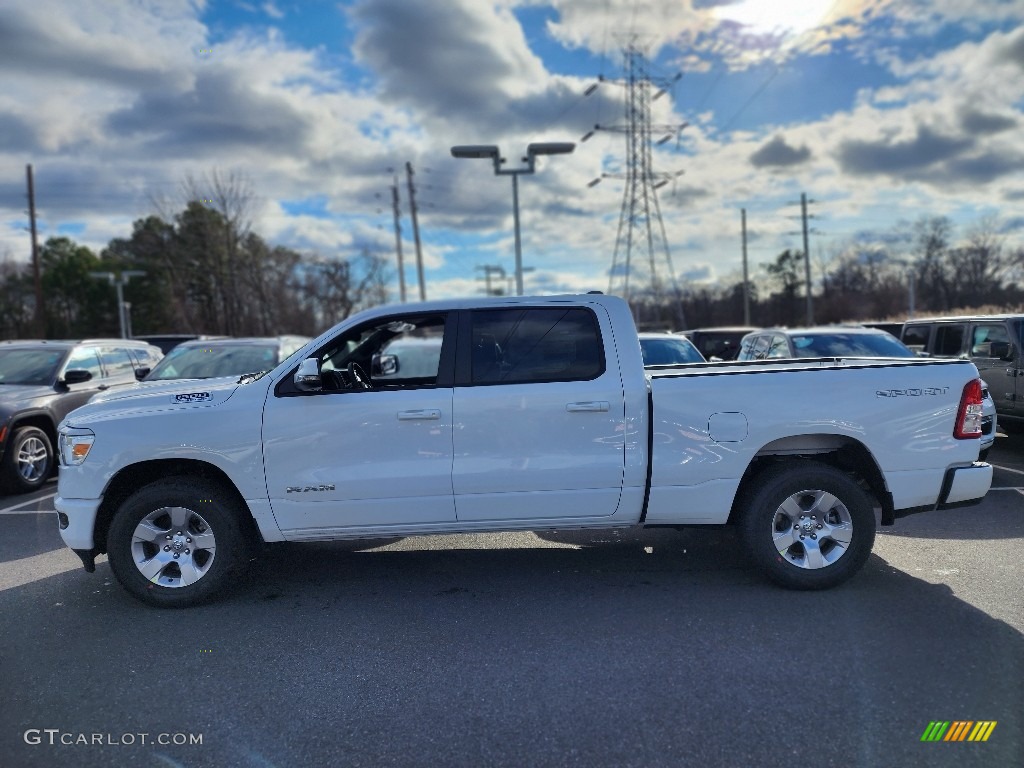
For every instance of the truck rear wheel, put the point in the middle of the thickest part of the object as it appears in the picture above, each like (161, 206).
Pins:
(174, 542)
(807, 525)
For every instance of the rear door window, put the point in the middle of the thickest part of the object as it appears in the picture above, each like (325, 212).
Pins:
(117, 363)
(916, 337)
(515, 346)
(949, 340)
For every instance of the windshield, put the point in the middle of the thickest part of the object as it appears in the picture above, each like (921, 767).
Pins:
(849, 345)
(669, 352)
(211, 361)
(29, 366)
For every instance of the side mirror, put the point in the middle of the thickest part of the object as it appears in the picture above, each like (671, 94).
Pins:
(76, 376)
(388, 365)
(307, 377)
(141, 373)
(1001, 349)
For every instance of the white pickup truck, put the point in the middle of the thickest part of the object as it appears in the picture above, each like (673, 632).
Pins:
(512, 414)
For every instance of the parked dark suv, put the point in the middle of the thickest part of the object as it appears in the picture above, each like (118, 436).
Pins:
(992, 342)
(718, 343)
(41, 382)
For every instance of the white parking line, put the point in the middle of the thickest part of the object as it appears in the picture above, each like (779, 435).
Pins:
(1008, 469)
(1008, 488)
(11, 510)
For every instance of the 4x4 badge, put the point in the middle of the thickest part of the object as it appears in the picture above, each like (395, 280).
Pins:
(193, 397)
(304, 488)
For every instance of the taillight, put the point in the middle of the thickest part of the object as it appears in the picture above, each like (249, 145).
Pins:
(968, 417)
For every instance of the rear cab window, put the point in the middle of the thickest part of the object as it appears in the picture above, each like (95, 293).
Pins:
(754, 348)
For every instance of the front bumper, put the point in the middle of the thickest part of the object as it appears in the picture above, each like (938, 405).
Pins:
(77, 521)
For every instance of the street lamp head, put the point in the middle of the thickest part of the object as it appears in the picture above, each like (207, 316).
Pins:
(550, 148)
(476, 150)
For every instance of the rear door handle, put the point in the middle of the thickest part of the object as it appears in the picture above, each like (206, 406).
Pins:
(589, 405)
(427, 414)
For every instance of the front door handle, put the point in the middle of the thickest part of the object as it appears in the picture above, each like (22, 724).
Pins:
(588, 406)
(427, 414)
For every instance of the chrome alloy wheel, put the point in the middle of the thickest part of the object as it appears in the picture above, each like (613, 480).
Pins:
(33, 460)
(812, 529)
(173, 547)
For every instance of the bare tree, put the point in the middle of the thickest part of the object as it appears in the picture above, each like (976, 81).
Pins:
(230, 195)
(336, 288)
(932, 236)
(979, 265)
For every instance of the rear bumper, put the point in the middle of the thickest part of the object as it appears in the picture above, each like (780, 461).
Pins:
(964, 486)
(961, 487)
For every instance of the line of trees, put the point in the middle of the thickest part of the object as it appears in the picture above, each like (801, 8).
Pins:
(206, 271)
(859, 282)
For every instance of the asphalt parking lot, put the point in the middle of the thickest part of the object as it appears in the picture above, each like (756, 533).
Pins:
(656, 648)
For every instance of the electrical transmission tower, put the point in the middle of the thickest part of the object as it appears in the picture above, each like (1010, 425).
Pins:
(641, 242)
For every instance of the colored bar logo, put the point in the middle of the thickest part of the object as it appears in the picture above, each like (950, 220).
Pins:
(958, 730)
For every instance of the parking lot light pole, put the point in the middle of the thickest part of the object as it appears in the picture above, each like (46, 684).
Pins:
(119, 280)
(532, 150)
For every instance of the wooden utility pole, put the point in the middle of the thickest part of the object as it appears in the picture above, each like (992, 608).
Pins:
(807, 259)
(416, 233)
(489, 270)
(746, 277)
(398, 240)
(38, 316)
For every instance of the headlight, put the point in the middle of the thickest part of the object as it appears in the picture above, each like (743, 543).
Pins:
(75, 446)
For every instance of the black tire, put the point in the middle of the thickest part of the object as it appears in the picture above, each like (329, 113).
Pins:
(28, 460)
(178, 512)
(983, 455)
(786, 546)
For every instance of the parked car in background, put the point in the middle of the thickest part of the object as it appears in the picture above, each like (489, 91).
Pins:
(168, 341)
(718, 343)
(41, 382)
(992, 342)
(212, 358)
(668, 349)
(849, 341)
(825, 341)
(892, 328)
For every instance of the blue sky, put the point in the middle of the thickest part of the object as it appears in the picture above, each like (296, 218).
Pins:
(882, 111)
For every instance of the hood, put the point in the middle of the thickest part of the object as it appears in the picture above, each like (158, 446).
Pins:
(16, 394)
(152, 396)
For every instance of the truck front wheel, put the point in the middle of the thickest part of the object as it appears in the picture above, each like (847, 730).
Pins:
(173, 542)
(807, 525)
